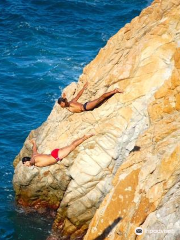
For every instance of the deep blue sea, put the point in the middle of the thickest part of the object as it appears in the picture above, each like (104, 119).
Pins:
(44, 45)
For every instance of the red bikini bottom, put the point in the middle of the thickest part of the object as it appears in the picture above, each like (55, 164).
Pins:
(54, 154)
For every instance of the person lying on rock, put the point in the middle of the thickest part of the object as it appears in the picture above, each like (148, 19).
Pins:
(76, 107)
(42, 160)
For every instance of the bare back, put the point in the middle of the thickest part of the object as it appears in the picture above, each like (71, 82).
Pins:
(42, 160)
(75, 107)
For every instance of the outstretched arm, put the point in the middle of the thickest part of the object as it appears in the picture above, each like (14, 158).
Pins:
(81, 92)
(64, 152)
(34, 147)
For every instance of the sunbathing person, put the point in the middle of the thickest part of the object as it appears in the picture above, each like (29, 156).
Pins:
(42, 160)
(76, 107)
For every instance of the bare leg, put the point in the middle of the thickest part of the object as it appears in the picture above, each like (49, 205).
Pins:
(64, 152)
(91, 105)
(77, 142)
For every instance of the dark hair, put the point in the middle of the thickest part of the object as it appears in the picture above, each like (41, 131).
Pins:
(25, 159)
(61, 99)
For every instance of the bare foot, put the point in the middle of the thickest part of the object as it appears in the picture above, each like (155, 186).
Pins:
(117, 90)
(88, 136)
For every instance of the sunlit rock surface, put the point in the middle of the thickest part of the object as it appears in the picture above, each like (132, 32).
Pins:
(146, 186)
(137, 137)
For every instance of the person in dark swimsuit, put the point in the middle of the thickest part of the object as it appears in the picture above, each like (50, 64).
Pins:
(76, 107)
(42, 160)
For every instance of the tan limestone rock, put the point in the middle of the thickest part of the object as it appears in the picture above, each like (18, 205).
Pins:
(158, 176)
(137, 137)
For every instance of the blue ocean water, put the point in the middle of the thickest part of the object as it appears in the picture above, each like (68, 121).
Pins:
(44, 45)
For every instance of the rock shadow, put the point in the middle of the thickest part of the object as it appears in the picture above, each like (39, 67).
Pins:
(106, 231)
(135, 149)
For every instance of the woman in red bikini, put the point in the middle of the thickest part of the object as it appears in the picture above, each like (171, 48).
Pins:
(76, 107)
(42, 160)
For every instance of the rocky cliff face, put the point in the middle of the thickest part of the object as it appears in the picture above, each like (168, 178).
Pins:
(145, 189)
(136, 136)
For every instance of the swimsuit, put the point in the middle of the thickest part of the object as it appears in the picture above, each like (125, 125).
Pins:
(84, 106)
(54, 154)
